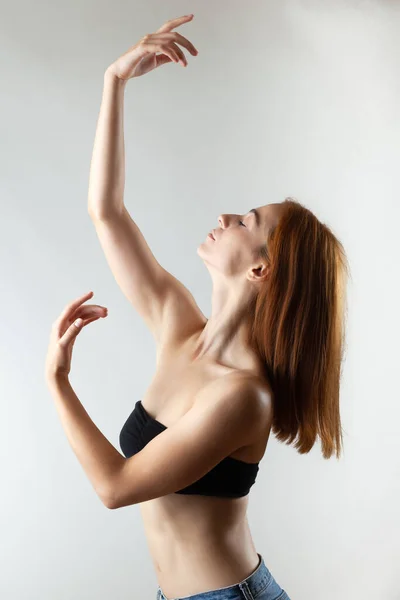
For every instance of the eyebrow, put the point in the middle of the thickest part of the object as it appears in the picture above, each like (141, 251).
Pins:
(256, 214)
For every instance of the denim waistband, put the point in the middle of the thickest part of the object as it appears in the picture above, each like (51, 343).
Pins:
(252, 585)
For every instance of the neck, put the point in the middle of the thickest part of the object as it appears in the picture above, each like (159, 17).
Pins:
(224, 338)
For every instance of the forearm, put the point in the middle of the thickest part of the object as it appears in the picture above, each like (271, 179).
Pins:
(107, 168)
(98, 457)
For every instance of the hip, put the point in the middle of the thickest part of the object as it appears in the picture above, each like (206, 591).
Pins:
(259, 585)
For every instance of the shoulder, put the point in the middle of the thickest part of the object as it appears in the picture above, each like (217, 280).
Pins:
(257, 387)
(242, 397)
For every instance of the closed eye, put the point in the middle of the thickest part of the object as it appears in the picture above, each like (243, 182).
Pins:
(241, 222)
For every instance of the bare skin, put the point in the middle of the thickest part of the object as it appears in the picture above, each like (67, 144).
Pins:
(197, 543)
(201, 543)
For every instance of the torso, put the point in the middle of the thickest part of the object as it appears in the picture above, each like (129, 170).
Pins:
(197, 543)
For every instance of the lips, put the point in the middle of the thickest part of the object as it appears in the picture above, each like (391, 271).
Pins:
(212, 235)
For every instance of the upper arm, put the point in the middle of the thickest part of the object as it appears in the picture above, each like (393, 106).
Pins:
(154, 292)
(183, 453)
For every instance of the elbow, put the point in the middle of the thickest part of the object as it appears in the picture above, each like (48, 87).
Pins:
(93, 215)
(117, 493)
(110, 501)
(101, 215)
(108, 497)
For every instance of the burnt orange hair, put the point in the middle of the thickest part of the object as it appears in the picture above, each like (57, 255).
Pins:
(298, 329)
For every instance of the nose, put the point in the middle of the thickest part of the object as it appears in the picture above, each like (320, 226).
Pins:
(225, 220)
(222, 221)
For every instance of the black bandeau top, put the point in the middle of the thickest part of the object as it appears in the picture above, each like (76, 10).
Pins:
(230, 478)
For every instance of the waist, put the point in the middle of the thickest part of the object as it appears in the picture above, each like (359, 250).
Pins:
(198, 542)
(185, 569)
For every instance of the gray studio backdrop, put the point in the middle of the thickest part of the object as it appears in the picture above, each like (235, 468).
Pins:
(285, 98)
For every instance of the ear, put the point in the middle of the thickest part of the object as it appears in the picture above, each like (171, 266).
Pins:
(258, 273)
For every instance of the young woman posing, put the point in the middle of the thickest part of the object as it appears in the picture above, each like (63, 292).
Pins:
(268, 358)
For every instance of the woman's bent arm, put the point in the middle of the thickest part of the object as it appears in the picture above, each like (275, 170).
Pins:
(107, 168)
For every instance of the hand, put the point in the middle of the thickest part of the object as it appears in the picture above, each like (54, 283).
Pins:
(142, 57)
(64, 332)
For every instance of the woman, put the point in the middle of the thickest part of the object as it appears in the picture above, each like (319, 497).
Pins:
(268, 358)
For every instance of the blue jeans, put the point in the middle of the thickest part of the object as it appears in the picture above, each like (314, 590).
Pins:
(260, 585)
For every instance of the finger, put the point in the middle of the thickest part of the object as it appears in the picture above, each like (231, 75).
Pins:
(71, 333)
(88, 310)
(73, 330)
(164, 48)
(169, 25)
(68, 310)
(178, 38)
(179, 53)
(168, 43)
(87, 321)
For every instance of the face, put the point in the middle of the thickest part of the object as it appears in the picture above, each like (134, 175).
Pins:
(238, 240)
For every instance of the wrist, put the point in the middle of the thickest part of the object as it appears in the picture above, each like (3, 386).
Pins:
(111, 77)
(56, 379)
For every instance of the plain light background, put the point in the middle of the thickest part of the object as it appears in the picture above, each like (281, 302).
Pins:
(284, 99)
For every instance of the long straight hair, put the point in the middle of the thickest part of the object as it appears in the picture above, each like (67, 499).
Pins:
(298, 324)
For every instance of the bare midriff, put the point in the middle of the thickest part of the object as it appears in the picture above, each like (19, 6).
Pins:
(198, 543)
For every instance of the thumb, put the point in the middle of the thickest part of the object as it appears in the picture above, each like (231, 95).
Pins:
(71, 332)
